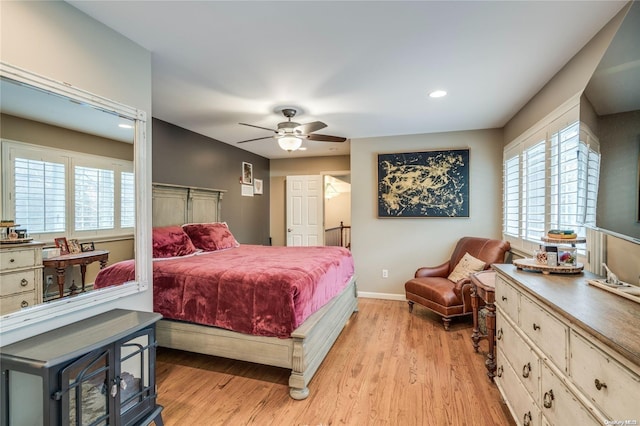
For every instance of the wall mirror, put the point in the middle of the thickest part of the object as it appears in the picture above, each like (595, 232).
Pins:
(31, 100)
(610, 106)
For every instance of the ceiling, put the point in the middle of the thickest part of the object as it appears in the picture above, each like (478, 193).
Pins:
(362, 67)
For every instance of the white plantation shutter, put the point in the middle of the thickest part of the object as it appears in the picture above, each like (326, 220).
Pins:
(39, 195)
(565, 179)
(127, 200)
(94, 202)
(533, 185)
(590, 167)
(511, 225)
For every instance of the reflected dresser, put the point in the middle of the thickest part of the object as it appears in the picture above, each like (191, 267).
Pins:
(20, 276)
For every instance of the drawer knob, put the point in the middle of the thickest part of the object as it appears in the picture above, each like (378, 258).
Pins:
(24, 282)
(600, 385)
(499, 334)
(526, 419)
(536, 326)
(499, 371)
(548, 399)
(504, 298)
(526, 370)
(11, 260)
(24, 304)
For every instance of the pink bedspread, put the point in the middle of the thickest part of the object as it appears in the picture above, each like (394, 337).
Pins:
(259, 290)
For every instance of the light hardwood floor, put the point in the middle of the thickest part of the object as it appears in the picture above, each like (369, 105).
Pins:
(388, 367)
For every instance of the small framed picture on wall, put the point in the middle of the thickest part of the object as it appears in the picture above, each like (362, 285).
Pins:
(257, 186)
(247, 173)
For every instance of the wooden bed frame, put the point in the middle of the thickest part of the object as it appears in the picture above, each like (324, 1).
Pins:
(308, 345)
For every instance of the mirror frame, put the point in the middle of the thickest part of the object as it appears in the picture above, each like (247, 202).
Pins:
(142, 232)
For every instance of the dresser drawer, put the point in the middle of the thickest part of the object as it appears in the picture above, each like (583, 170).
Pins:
(523, 408)
(18, 282)
(17, 302)
(560, 406)
(507, 298)
(548, 333)
(14, 259)
(619, 387)
(523, 360)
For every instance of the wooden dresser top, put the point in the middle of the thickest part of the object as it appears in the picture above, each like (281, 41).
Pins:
(613, 320)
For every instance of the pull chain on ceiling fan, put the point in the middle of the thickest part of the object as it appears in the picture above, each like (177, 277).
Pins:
(289, 134)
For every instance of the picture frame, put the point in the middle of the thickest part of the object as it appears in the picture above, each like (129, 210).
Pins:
(74, 246)
(62, 244)
(85, 247)
(247, 173)
(257, 186)
(426, 184)
(246, 190)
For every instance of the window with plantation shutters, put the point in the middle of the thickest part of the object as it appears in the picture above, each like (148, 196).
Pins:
(533, 192)
(95, 198)
(40, 195)
(52, 192)
(550, 181)
(127, 200)
(512, 194)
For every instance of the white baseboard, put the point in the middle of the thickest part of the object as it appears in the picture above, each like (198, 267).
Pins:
(384, 296)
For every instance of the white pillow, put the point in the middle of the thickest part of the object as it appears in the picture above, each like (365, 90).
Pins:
(467, 265)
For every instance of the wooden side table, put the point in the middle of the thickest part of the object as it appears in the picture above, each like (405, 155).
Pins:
(484, 287)
(83, 259)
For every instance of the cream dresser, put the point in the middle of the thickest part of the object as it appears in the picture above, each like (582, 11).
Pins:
(20, 276)
(567, 352)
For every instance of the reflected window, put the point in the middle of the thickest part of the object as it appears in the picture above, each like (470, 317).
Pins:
(40, 197)
(53, 191)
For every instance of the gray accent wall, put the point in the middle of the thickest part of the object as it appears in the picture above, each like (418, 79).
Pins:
(183, 157)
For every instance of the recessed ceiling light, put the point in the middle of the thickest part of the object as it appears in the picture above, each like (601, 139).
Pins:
(438, 94)
(125, 126)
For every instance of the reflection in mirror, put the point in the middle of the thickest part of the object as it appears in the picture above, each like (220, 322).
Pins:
(67, 180)
(610, 107)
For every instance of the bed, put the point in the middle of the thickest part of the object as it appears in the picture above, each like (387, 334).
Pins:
(311, 291)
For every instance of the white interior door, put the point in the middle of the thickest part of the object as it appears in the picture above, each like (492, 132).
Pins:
(304, 211)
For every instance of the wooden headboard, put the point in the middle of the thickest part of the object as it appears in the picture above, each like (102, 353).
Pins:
(177, 205)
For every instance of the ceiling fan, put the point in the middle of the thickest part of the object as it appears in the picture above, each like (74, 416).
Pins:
(289, 134)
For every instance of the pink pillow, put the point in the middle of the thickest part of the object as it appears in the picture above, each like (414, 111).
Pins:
(210, 236)
(171, 241)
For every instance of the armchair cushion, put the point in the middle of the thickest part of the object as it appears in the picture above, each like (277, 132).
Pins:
(467, 265)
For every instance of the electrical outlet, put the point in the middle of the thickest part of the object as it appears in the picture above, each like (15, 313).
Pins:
(385, 273)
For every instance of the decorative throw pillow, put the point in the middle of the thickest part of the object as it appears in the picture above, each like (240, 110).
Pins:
(467, 265)
(210, 236)
(171, 241)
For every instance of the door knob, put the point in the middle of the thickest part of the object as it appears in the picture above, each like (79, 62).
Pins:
(289, 229)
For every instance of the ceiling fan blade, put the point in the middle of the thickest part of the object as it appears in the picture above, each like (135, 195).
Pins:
(311, 127)
(256, 139)
(325, 138)
(259, 127)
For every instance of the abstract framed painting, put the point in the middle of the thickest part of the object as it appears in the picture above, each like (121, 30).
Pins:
(424, 184)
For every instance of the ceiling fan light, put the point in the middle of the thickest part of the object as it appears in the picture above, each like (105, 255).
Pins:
(289, 143)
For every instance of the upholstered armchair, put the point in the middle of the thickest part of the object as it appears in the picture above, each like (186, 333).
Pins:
(432, 288)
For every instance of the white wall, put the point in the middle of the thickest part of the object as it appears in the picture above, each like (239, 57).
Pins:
(56, 40)
(403, 245)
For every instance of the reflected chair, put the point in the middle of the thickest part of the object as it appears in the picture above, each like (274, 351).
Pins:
(432, 288)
